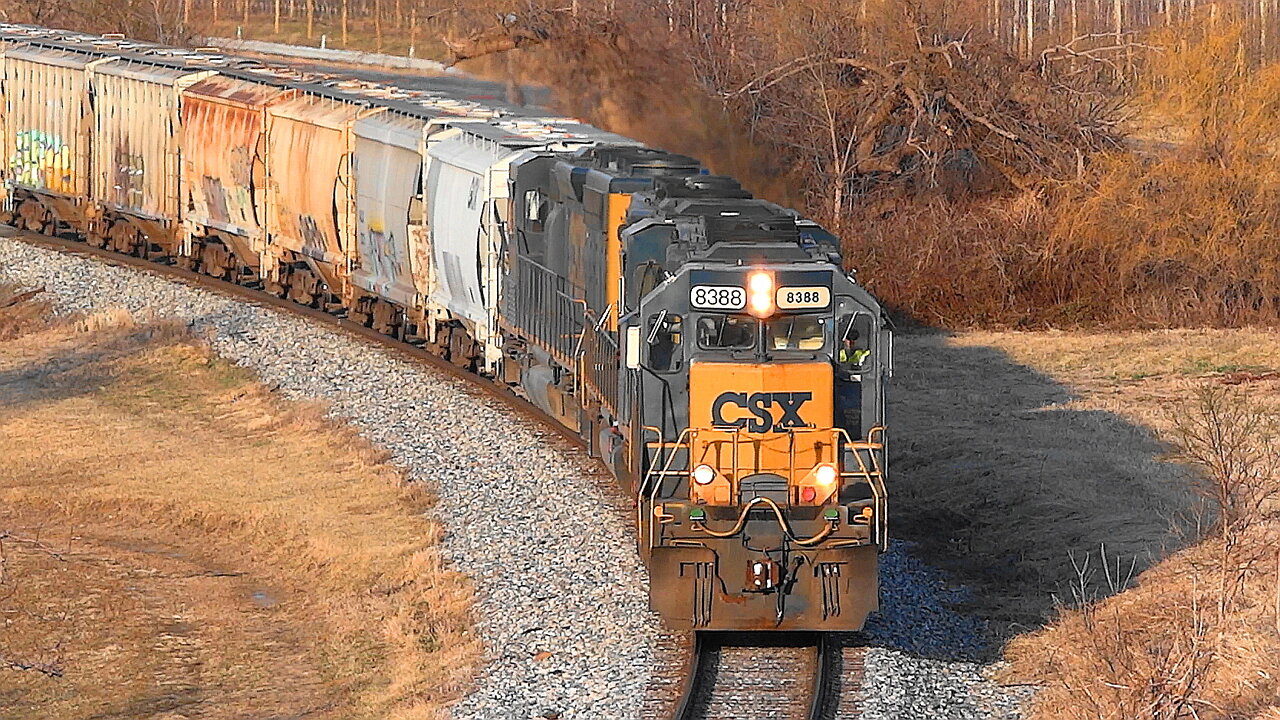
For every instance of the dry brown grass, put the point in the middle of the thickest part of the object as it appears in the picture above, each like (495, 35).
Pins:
(219, 551)
(1159, 650)
(1005, 465)
(1017, 451)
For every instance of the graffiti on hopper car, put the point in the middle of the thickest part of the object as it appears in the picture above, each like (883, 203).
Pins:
(42, 160)
(381, 251)
(130, 176)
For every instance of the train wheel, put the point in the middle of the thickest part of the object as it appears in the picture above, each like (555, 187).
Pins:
(94, 237)
(386, 318)
(33, 216)
(216, 260)
(360, 313)
(303, 287)
(120, 238)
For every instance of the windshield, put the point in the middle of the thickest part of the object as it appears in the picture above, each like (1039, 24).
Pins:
(726, 332)
(797, 332)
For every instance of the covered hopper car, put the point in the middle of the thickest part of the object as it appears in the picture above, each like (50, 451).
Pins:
(708, 346)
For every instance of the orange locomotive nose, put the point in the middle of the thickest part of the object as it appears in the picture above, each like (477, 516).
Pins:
(762, 421)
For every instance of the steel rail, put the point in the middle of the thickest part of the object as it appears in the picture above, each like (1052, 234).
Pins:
(686, 707)
(820, 699)
(263, 298)
(823, 692)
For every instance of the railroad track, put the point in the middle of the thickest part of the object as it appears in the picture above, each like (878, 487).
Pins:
(772, 676)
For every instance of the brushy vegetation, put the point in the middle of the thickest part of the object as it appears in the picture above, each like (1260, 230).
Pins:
(1105, 166)
(1119, 183)
(1199, 636)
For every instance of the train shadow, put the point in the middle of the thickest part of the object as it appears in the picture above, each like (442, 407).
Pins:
(53, 376)
(62, 363)
(1005, 489)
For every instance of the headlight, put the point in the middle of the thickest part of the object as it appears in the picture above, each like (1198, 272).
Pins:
(826, 475)
(704, 474)
(760, 287)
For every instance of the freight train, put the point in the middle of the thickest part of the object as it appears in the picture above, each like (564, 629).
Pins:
(706, 345)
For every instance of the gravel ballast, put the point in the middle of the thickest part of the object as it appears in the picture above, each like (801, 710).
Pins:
(525, 515)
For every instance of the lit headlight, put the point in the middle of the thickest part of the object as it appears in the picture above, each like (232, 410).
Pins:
(760, 285)
(826, 475)
(704, 474)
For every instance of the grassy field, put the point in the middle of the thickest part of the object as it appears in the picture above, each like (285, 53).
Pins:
(176, 539)
(180, 542)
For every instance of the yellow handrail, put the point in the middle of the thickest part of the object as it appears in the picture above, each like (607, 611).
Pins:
(873, 475)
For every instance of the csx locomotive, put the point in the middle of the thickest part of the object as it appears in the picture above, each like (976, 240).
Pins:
(708, 346)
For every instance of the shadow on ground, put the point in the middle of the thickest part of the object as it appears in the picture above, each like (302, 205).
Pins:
(998, 484)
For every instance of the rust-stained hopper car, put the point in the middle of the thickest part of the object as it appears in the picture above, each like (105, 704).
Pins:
(708, 346)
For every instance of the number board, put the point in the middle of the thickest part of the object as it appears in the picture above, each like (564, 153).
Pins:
(718, 297)
(803, 298)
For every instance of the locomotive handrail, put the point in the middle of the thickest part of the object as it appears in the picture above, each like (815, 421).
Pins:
(872, 473)
(657, 485)
(875, 479)
(571, 332)
(782, 521)
(599, 378)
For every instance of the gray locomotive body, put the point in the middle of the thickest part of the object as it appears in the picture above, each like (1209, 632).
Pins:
(710, 347)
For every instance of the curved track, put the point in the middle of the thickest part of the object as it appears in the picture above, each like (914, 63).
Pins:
(498, 392)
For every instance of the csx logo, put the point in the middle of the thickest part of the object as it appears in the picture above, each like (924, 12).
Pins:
(753, 412)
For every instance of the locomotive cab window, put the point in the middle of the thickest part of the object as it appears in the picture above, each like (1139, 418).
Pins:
(665, 338)
(797, 333)
(648, 276)
(853, 349)
(726, 332)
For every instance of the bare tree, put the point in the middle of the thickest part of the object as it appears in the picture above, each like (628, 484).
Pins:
(1236, 445)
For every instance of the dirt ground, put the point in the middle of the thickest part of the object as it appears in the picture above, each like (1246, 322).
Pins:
(1016, 455)
(178, 542)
